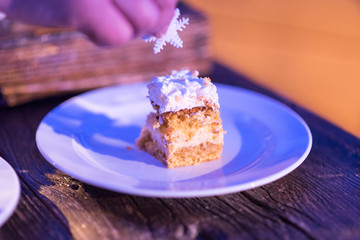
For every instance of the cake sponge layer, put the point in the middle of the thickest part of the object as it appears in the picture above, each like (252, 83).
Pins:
(185, 137)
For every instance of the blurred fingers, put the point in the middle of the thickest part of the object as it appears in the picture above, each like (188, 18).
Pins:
(106, 22)
(103, 23)
(142, 14)
(167, 8)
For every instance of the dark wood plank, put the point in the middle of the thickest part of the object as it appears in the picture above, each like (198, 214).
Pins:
(34, 220)
(319, 200)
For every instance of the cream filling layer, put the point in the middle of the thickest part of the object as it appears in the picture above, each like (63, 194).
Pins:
(180, 140)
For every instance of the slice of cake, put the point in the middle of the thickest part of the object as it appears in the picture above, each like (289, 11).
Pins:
(186, 128)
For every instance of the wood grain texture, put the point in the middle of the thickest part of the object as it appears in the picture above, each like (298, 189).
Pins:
(307, 51)
(319, 200)
(34, 220)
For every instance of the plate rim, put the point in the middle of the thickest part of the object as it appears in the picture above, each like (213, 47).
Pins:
(188, 193)
(14, 201)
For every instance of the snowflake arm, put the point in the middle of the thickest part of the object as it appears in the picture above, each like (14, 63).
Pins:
(181, 24)
(159, 45)
(149, 38)
(176, 41)
(171, 36)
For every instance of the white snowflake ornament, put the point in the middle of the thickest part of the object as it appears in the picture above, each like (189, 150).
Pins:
(171, 36)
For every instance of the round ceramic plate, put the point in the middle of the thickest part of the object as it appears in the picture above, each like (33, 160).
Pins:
(92, 138)
(9, 191)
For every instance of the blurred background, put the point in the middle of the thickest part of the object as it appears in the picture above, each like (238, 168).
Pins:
(307, 51)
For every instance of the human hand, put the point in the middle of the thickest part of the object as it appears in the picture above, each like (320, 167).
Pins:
(106, 22)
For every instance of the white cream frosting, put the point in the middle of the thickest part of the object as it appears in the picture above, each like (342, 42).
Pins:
(182, 90)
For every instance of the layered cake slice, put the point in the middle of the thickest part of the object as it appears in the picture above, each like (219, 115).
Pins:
(186, 128)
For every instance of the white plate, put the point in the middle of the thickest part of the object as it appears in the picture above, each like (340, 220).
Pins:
(88, 137)
(9, 191)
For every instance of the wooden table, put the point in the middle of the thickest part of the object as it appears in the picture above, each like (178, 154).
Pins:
(319, 200)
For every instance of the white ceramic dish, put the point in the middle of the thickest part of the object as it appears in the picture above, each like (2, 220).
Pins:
(89, 136)
(9, 191)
